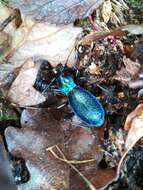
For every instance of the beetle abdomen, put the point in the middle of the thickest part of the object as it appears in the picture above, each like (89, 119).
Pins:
(86, 107)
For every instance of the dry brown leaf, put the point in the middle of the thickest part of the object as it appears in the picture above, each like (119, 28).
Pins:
(135, 113)
(22, 91)
(135, 133)
(106, 10)
(134, 29)
(126, 73)
(121, 31)
(56, 11)
(88, 39)
(40, 130)
(42, 40)
(82, 145)
(55, 44)
(100, 178)
(134, 126)
(7, 181)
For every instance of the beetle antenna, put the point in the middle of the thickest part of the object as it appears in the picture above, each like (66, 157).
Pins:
(58, 73)
(61, 70)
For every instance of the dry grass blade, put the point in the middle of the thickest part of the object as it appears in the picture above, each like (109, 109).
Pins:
(91, 187)
(106, 11)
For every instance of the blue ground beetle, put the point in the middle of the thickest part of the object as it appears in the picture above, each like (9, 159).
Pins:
(84, 103)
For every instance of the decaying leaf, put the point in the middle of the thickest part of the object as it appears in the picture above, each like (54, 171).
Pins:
(134, 29)
(56, 11)
(40, 130)
(106, 10)
(98, 177)
(101, 35)
(42, 40)
(120, 31)
(82, 145)
(137, 112)
(55, 44)
(126, 73)
(7, 181)
(22, 91)
(135, 132)
(134, 126)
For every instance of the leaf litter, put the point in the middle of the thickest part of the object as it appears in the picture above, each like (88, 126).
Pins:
(56, 11)
(50, 148)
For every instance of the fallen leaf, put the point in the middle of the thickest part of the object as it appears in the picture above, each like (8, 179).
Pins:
(7, 181)
(137, 112)
(55, 44)
(135, 29)
(100, 178)
(82, 144)
(134, 127)
(135, 132)
(22, 91)
(127, 72)
(40, 130)
(94, 36)
(119, 32)
(106, 10)
(56, 11)
(42, 40)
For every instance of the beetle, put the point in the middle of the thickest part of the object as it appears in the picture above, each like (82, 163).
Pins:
(83, 103)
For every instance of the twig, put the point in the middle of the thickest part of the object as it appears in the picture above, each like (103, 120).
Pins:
(65, 160)
(69, 163)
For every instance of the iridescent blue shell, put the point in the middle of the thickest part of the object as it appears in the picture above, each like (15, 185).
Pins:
(86, 107)
(84, 104)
